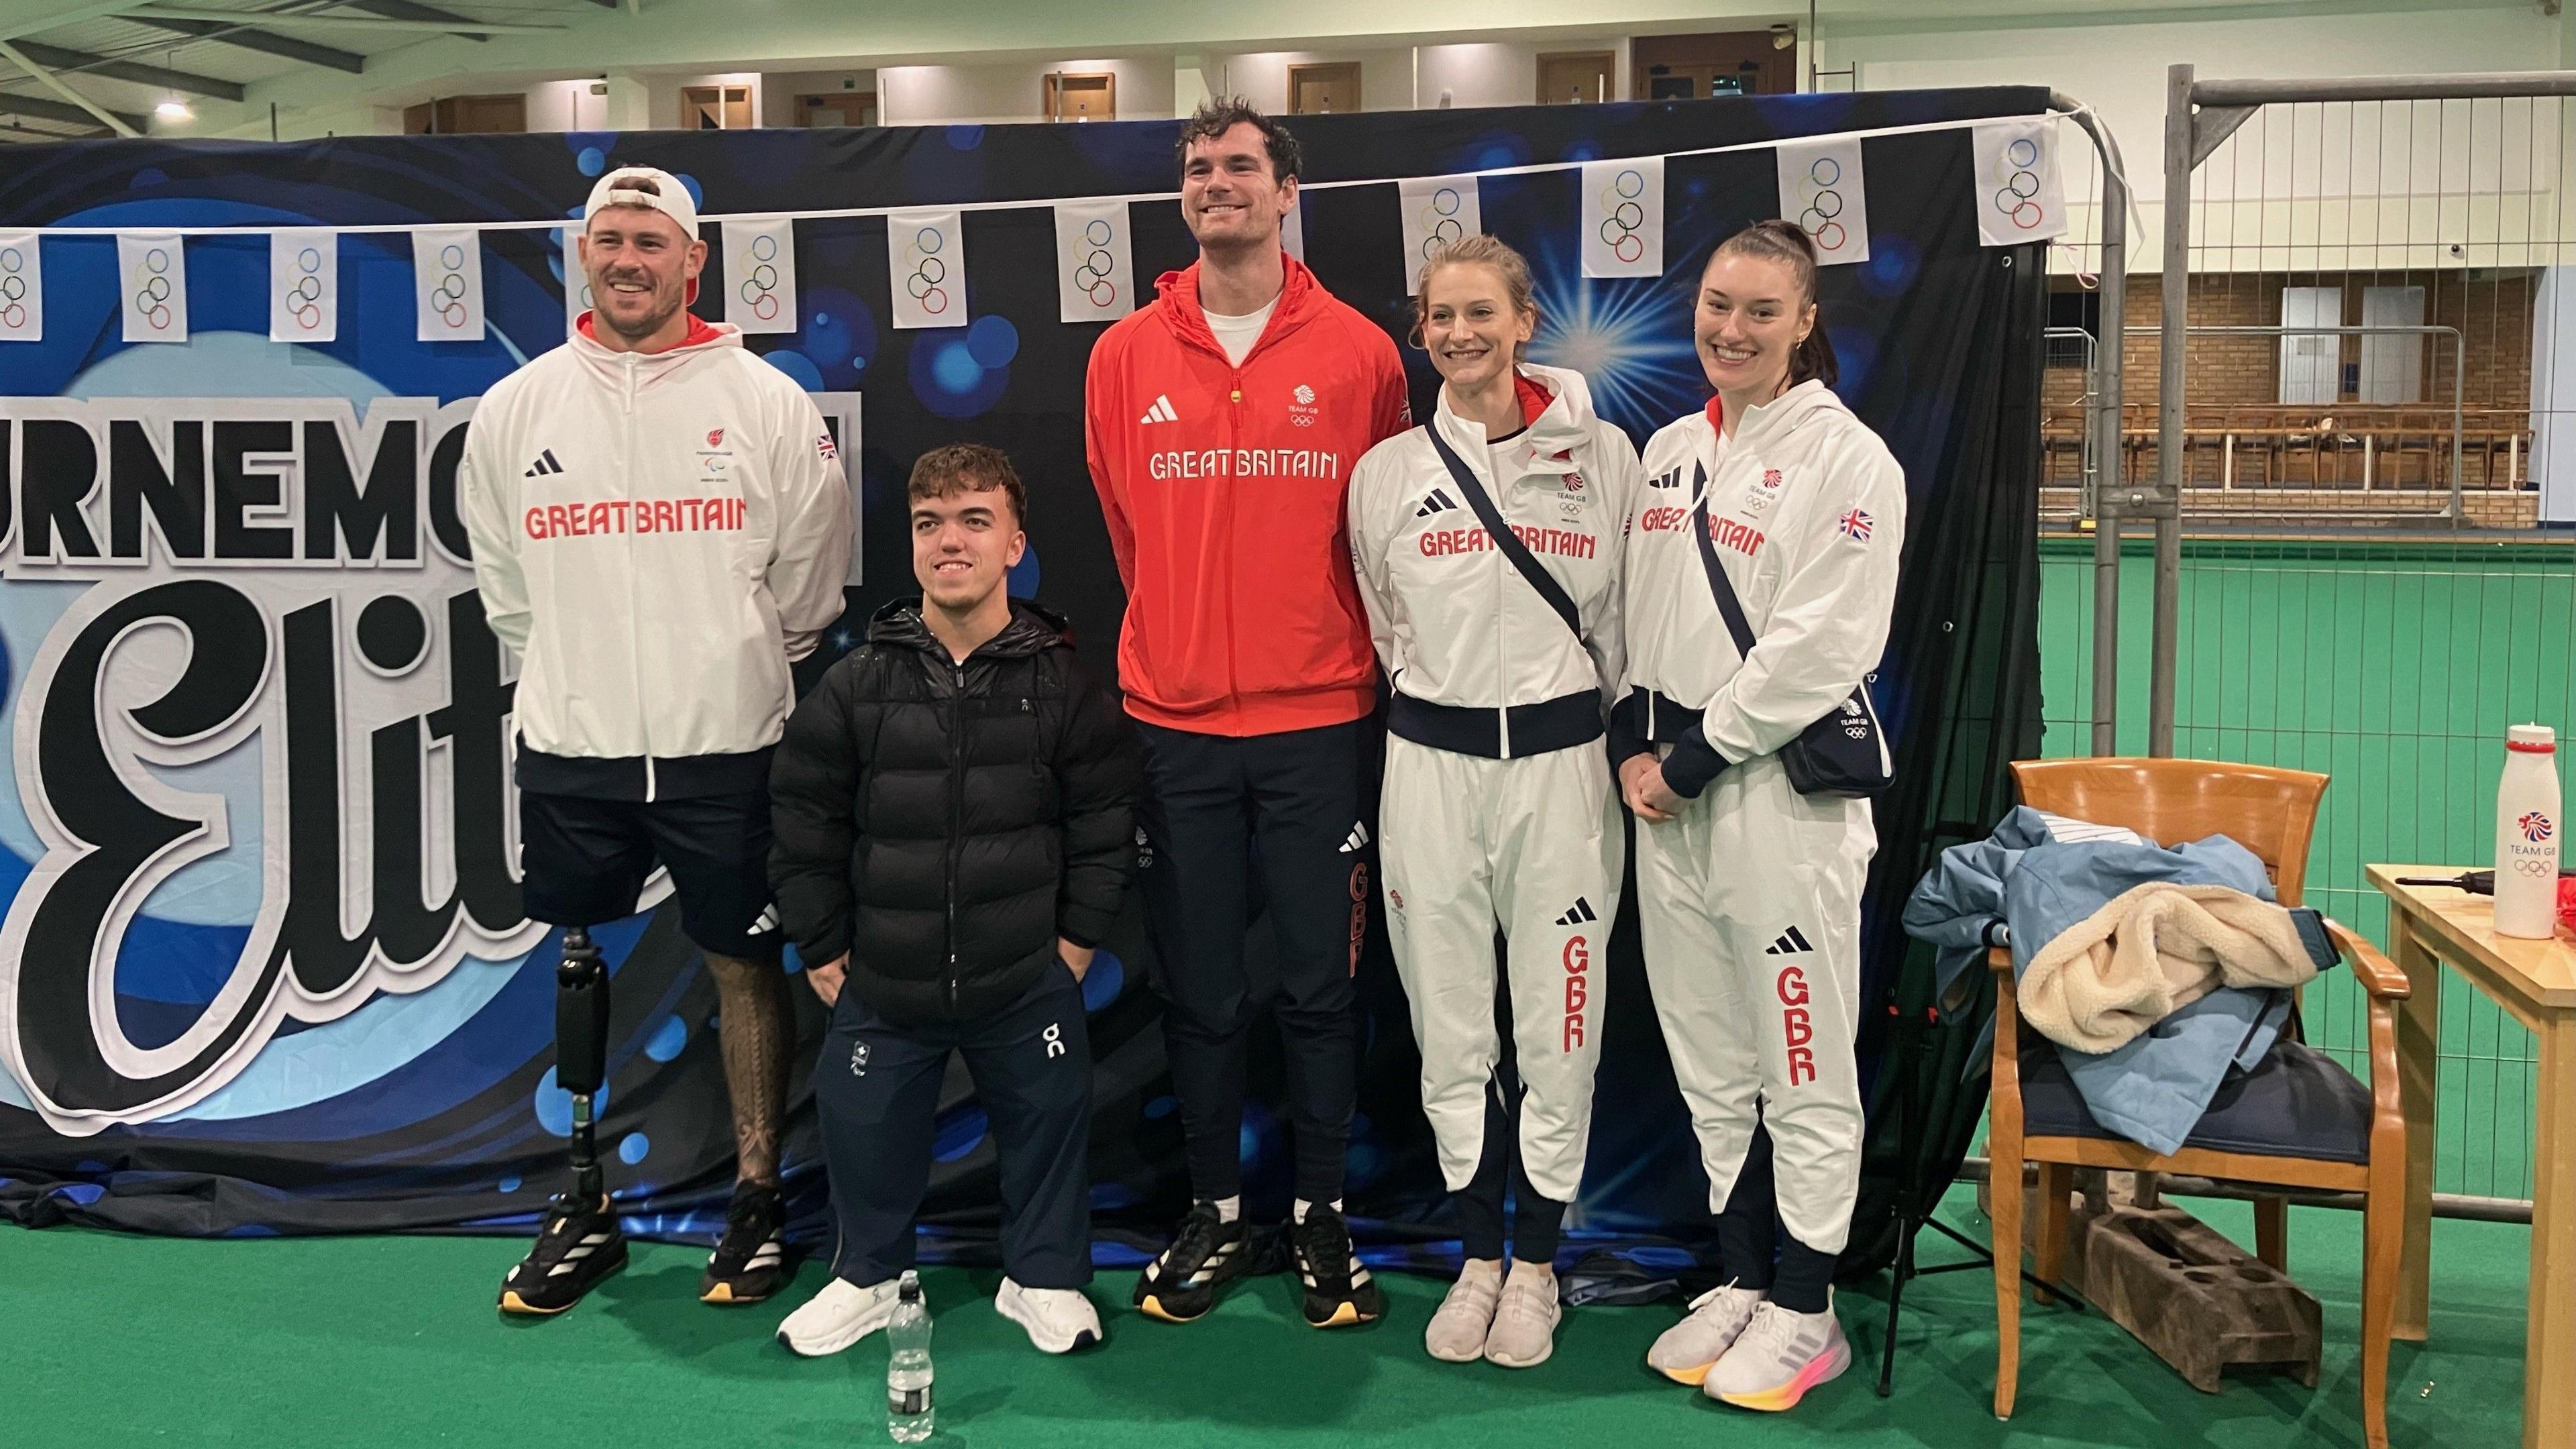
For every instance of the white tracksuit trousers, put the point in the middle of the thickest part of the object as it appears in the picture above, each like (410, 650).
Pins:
(1749, 908)
(1534, 844)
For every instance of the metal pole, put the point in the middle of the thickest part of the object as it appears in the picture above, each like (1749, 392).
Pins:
(2171, 381)
(2109, 353)
(2387, 88)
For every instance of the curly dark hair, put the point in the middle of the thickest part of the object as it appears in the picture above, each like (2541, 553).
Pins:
(1219, 114)
(968, 468)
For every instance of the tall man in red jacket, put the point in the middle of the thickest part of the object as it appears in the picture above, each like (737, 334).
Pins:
(1223, 422)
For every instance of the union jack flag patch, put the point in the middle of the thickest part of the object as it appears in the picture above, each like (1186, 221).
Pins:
(1855, 526)
(823, 447)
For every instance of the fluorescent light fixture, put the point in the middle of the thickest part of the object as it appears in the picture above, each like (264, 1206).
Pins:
(174, 109)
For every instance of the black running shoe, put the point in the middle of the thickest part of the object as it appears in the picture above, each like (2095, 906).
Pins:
(1206, 1254)
(575, 1249)
(751, 1263)
(1339, 1291)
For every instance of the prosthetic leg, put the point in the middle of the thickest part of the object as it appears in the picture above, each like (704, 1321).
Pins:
(580, 1242)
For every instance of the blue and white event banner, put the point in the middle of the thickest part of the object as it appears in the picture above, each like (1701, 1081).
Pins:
(760, 274)
(1095, 262)
(1823, 191)
(1436, 211)
(22, 288)
(447, 283)
(576, 277)
(926, 258)
(1623, 218)
(152, 280)
(2019, 197)
(303, 285)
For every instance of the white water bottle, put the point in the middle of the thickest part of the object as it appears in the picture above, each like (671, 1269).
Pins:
(2527, 830)
(909, 1415)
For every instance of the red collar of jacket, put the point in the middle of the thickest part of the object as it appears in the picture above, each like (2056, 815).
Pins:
(699, 332)
(1187, 318)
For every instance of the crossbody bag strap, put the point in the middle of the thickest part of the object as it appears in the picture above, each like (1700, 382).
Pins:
(1728, 606)
(1509, 542)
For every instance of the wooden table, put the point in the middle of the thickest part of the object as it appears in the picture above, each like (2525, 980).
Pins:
(2535, 982)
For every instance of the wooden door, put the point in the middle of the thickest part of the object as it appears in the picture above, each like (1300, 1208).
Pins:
(1575, 79)
(1322, 90)
(1696, 67)
(715, 108)
(837, 108)
(467, 116)
(1071, 97)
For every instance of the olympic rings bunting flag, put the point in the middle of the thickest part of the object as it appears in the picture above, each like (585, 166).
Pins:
(760, 275)
(22, 288)
(447, 283)
(2019, 198)
(152, 286)
(1437, 210)
(1623, 218)
(303, 285)
(1823, 191)
(576, 278)
(926, 256)
(1095, 265)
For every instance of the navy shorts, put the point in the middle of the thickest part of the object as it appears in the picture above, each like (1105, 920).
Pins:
(583, 862)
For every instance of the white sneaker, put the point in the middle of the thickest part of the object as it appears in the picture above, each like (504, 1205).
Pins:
(1457, 1330)
(840, 1315)
(1524, 1331)
(1688, 1349)
(1780, 1355)
(1059, 1320)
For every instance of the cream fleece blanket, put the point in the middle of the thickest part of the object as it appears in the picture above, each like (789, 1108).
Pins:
(2150, 952)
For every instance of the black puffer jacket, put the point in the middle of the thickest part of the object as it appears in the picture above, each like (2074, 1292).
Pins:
(943, 823)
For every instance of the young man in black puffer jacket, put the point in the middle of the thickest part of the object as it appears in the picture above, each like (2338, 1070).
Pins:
(954, 818)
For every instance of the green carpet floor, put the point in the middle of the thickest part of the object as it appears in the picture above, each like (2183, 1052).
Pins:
(108, 1340)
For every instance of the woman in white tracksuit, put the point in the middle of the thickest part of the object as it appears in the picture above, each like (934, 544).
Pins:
(1748, 893)
(1498, 805)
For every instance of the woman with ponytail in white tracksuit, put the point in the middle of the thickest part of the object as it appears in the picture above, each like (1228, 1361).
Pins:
(1748, 892)
(1487, 544)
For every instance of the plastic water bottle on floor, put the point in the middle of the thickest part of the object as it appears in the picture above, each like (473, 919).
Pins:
(909, 1417)
(2527, 835)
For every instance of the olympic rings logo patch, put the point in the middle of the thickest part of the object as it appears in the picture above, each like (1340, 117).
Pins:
(1440, 224)
(1096, 276)
(760, 283)
(2015, 198)
(13, 288)
(1825, 175)
(928, 270)
(152, 295)
(304, 291)
(447, 299)
(1623, 215)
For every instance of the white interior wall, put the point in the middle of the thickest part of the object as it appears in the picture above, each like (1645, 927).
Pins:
(780, 88)
(662, 95)
(1505, 73)
(926, 95)
(1261, 76)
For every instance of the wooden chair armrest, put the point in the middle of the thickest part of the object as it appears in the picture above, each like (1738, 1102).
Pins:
(1999, 960)
(2378, 975)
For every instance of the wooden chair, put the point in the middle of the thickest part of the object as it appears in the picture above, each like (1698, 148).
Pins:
(2272, 813)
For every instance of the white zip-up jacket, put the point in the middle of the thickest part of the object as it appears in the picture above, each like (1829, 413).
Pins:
(657, 537)
(1806, 508)
(1454, 623)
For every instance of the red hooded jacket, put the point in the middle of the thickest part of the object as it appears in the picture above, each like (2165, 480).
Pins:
(1223, 487)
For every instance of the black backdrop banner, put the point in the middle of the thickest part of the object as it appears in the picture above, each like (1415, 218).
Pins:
(298, 995)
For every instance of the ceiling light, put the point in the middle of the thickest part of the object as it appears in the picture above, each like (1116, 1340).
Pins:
(174, 109)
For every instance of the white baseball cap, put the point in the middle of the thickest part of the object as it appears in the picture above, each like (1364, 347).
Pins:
(644, 186)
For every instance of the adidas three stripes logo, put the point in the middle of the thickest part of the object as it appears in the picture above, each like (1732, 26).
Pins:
(1161, 412)
(545, 464)
(1438, 502)
(1789, 944)
(1581, 913)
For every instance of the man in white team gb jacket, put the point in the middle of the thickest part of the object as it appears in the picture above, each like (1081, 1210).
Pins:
(660, 526)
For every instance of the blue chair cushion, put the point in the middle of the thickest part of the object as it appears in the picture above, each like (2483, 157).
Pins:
(2298, 1103)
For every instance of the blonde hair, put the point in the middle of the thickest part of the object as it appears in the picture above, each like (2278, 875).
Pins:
(1478, 250)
